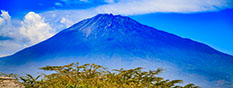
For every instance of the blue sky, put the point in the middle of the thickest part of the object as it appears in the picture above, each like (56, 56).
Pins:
(212, 28)
(27, 22)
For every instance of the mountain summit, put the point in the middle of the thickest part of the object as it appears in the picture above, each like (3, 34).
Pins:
(116, 41)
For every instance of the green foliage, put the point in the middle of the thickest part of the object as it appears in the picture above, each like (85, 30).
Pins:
(29, 81)
(96, 76)
(11, 75)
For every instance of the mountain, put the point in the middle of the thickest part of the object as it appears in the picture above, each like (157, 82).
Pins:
(119, 41)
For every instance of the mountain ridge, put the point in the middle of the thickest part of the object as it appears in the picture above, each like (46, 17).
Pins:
(115, 36)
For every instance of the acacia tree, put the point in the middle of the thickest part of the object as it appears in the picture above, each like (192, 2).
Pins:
(96, 76)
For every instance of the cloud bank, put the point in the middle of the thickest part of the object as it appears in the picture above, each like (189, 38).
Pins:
(137, 7)
(134, 7)
(20, 34)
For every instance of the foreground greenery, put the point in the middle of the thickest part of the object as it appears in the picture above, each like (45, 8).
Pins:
(96, 76)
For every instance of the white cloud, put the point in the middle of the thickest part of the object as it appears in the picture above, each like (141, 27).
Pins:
(132, 7)
(58, 4)
(135, 7)
(5, 15)
(31, 30)
(6, 25)
(61, 19)
(83, 0)
(34, 28)
(67, 22)
(4, 55)
(109, 1)
(1, 21)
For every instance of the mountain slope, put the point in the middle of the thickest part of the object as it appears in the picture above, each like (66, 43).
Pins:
(115, 36)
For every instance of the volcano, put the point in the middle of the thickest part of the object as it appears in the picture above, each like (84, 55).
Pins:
(119, 41)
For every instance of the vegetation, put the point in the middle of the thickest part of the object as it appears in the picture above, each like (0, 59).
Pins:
(96, 76)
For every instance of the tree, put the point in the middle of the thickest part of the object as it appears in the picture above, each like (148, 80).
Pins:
(96, 76)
